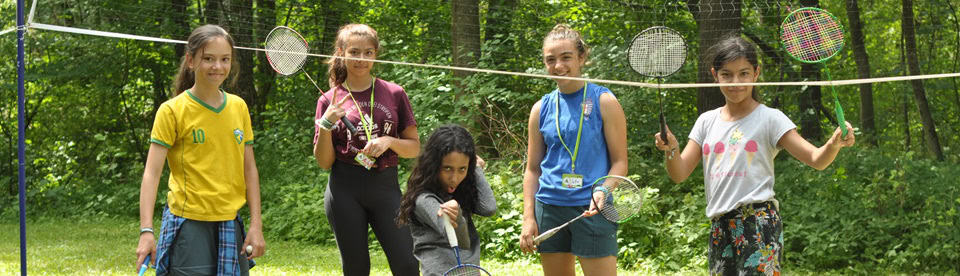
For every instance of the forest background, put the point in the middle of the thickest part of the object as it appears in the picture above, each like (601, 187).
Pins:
(890, 203)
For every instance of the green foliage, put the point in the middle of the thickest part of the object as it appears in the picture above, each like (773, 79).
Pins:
(870, 209)
(90, 106)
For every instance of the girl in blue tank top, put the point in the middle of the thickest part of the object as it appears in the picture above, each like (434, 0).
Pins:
(577, 134)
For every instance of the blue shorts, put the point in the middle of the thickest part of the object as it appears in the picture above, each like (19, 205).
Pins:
(589, 237)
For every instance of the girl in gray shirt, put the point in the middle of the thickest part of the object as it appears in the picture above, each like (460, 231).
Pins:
(446, 181)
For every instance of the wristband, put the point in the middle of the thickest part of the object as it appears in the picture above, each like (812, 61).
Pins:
(601, 188)
(325, 124)
(146, 229)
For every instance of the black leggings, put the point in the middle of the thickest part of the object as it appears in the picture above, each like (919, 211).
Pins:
(355, 197)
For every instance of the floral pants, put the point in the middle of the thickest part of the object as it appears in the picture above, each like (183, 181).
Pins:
(747, 241)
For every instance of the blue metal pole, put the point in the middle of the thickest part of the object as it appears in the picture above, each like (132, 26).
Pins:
(21, 145)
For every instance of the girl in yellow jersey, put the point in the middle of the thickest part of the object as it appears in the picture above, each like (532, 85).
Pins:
(205, 135)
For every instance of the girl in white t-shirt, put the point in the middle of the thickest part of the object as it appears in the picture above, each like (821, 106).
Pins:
(737, 143)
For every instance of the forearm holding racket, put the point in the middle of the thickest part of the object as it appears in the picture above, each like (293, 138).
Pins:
(680, 167)
(531, 180)
(252, 177)
(147, 244)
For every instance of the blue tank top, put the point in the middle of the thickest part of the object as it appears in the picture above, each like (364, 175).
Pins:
(593, 161)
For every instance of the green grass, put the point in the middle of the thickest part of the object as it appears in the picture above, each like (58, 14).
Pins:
(106, 247)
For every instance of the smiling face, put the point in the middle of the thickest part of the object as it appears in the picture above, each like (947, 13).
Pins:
(453, 170)
(737, 71)
(211, 64)
(359, 47)
(562, 58)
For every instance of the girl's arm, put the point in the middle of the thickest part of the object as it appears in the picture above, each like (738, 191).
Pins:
(531, 179)
(486, 202)
(252, 177)
(615, 132)
(818, 158)
(148, 198)
(427, 211)
(407, 146)
(680, 166)
(323, 149)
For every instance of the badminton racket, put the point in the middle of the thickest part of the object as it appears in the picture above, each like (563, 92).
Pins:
(813, 35)
(658, 52)
(286, 52)
(621, 202)
(461, 269)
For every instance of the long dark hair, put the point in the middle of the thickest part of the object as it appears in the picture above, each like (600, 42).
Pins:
(198, 39)
(337, 69)
(732, 48)
(424, 178)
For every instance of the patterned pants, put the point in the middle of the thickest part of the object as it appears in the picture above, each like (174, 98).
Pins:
(747, 241)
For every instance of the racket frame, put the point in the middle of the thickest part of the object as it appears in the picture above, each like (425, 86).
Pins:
(637, 63)
(841, 121)
(303, 60)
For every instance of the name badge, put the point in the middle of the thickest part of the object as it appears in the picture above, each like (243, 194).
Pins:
(572, 181)
(365, 161)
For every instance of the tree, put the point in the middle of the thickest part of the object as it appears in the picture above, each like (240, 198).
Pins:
(863, 72)
(809, 100)
(465, 35)
(715, 20)
(919, 94)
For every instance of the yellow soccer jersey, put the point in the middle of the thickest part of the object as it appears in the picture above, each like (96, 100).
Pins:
(205, 154)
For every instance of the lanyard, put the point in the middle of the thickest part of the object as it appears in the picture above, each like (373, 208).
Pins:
(366, 126)
(576, 148)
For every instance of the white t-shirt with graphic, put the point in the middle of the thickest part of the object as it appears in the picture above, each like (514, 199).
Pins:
(738, 156)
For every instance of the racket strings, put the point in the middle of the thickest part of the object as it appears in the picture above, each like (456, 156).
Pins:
(657, 52)
(622, 202)
(812, 35)
(466, 270)
(286, 51)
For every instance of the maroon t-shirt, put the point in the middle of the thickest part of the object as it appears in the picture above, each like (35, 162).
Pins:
(391, 115)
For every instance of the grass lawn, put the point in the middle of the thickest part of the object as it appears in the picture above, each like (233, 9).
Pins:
(106, 247)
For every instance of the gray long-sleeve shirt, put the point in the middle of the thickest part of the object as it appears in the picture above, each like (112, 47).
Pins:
(430, 244)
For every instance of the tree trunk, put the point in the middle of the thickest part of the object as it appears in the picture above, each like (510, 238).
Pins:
(810, 98)
(331, 24)
(863, 71)
(266, 20)
(716, 19)
(236, 13)
(465, 35)
(213, 13)
(929, 128)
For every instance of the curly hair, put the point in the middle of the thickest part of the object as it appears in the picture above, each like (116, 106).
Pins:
(425, 176)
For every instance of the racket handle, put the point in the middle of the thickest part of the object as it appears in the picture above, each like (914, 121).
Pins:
(349, 125)
(663, 129)
(840, 119)
(451, 234)
(145, 265)
(546, 235)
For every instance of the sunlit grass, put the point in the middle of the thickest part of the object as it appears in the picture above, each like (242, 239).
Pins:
(106, 247)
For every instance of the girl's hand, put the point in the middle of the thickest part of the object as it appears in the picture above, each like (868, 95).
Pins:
(598, 197)
(481, 163)
(452, 210)
(146, 247)
(847, 141)
(254, 239)
(528, 231)
(377, 146)
(672, 141)
(334, 112)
